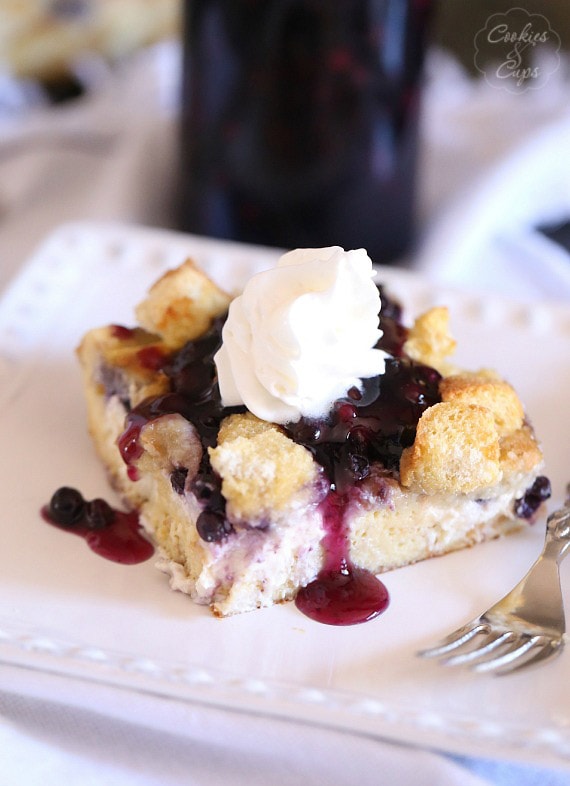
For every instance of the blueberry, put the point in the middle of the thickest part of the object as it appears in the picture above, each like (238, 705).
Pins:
(67, 506)
(204, 487)
(414, 392)
(526, 506)
(306, 431)
(98, 514)
(213, 526)
(354, 394)
(346, 412)
(541, 488)
(358, 465)
(358, 438)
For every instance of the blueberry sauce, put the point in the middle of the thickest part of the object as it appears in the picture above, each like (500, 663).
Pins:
(372, 425)
(376, 423)
(342, 594)
(110, 533)
(195, 395)
(394, 333)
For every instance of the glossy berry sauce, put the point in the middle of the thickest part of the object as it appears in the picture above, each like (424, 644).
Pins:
(113, 534)
(342, 594)
(194, 394)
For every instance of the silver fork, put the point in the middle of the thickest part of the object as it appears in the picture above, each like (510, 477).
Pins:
(527, 626)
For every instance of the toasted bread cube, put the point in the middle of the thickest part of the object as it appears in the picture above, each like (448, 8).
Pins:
(456, 450)
(182, 305)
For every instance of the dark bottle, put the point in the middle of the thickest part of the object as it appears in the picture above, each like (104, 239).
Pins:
(300, 121)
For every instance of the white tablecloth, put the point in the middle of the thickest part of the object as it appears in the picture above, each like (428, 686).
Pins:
(89, 160)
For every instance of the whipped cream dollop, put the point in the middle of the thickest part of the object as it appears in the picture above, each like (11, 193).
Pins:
(301, 335)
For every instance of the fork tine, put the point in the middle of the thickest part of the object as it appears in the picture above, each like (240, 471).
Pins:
(520, 647)
(455, 640)
(550, 649)
(495, 641)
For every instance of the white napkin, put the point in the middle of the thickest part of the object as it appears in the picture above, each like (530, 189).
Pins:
(55, 730)
(496, 167)
(95, 735)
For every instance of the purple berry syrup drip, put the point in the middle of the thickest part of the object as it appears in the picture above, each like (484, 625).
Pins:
(341, 594)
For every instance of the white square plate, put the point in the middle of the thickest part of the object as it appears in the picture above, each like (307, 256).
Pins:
(66, 611)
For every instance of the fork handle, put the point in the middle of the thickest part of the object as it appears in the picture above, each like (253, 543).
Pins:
(557, 541)
(536, 600)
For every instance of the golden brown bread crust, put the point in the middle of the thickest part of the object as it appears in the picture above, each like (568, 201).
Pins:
(456, 450)
(489, 392)
(429, 340)
(262, 469)
(475, 439)
(520, 452)
(181, 305)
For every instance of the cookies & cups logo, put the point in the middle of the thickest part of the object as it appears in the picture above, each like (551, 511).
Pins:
(517, 51)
